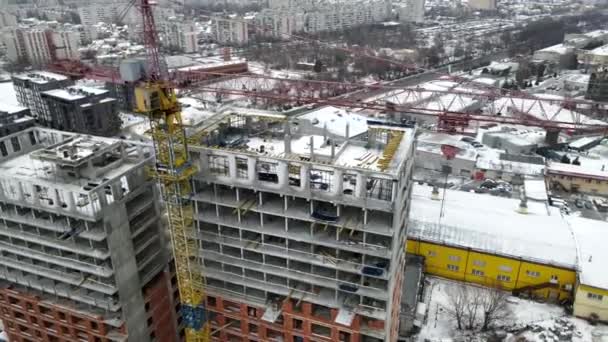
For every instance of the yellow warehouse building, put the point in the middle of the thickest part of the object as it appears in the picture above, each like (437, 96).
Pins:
(492, 241)
(575, 178)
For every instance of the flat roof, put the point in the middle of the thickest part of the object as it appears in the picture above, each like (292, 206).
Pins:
(558, 48)
(10, 108)
(576, 171)
(40, 77)
(492, 224)
(336, 120)
(591, 236)
(602, 50)
(544, 111)
(490, 160)
(74, 93)
(42, 163)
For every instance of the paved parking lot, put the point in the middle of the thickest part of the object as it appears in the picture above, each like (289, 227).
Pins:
(590, 211)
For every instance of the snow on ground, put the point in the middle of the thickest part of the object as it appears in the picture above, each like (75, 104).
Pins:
(439, 325)
(258, 68)
(7, 94)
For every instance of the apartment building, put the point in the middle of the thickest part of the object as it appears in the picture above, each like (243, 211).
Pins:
(317, 16)
(29, 88)
(84, 254)
(14, 119)
(96, 12)
(302, 224)
(81, 109)
(180, 35)
(41, 44)
(411, 11)
(278, 24)
(484, 5)
(231, 31)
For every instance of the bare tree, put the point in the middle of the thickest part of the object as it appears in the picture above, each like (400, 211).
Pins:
(494, 304)
(458, 298)
(473, 307)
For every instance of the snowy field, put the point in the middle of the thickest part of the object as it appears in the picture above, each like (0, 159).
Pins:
(541, 319)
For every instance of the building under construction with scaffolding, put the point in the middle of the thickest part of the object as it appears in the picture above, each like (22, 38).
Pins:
(301, 222)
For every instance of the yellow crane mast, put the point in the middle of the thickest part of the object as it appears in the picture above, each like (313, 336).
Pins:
(155, 97)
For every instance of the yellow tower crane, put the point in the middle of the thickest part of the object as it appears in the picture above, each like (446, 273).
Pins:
(156, 99)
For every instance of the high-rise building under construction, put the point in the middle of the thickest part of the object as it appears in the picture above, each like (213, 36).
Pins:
(83, 253)
(302, 224)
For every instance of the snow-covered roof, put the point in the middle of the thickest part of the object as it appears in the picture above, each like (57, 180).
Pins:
(514, 139)
(591, 236)
(542, 111)
(582, 142)
(75, 92)
(194, 111)
(492, 224)
(10, 108)
(336, 120)
(40, 77)
(432, 142)
(559, 48)
(602, 50)
(596, 33)
(536, 189)
(489, 159)
(576, 171)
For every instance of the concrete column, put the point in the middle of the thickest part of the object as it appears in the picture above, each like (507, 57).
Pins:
(251, 169)
(360, 187)
(232, 166)
(103, 200)
(35, 196)
(312, 148)
(305, 177)
(338, 181)
(69, 200)
(19, 191)
(126, 273)
(283, 174)
(116, 188)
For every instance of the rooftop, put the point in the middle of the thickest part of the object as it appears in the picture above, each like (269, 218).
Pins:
(559, 48)
(540, 235)
(71, 161)
(602, 50)
(10, 108)
(582, 171)
(337, 121)
(591, 236)
(75, 93)
(319, 135)
(543, 111)
(40, 77)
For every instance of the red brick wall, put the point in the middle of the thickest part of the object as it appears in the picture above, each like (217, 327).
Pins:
(160, 298)
(26, 318)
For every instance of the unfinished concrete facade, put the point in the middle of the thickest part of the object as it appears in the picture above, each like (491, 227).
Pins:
(83, 252)
(302, 235)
